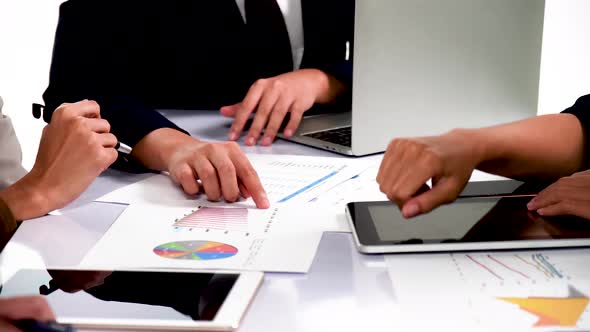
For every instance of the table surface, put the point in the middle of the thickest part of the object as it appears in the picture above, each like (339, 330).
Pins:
(344, 290)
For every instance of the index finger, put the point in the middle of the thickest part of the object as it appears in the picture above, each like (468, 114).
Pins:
(247, 107)
(249, 178)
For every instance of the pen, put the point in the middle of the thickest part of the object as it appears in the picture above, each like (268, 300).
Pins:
(123, 148)
(31, 325)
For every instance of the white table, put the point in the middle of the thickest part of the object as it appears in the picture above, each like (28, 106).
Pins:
(343, 291)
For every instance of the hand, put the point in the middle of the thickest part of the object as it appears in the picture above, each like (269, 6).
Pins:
(75, 281)
(273, 98)
(568, 196)
(75, 148)
(26, 307)
(224, 171)
(409, 163)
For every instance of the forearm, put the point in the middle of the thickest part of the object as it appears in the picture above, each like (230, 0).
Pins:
(155, 150)
(548, 146)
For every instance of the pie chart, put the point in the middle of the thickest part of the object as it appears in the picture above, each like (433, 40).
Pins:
(195, 250)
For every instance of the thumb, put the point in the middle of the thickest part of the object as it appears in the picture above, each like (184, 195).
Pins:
(230, 111)
(444, 191)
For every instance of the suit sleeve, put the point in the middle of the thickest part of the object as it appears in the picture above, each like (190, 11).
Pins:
(581, 109)
(91, 60)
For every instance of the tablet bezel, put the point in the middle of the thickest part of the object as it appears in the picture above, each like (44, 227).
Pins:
(227, 318)
(382, 247)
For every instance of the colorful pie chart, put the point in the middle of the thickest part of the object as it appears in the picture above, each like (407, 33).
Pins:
(195, 250)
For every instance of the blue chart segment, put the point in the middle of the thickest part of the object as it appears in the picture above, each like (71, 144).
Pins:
(195, 250)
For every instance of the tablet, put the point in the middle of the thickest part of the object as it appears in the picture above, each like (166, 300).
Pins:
(470, 223)
(141, 300)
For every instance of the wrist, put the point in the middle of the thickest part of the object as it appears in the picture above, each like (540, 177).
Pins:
(157, 149)
(26, 199)
(475, 144)
(326, 87)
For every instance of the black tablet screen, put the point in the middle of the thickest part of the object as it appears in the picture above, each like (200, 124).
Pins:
(479, 219)
(125, 294)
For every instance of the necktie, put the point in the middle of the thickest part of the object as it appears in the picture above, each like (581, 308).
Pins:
(269, 38)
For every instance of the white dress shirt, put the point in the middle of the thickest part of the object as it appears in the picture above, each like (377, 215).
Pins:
(10, 153)
(293, 18)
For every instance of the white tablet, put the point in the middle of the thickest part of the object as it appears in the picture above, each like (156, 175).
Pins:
(470, 223)
(145, 300)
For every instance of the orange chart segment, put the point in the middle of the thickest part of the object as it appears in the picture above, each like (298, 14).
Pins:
(563, 312)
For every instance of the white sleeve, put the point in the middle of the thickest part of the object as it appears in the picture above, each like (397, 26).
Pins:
(10, 153)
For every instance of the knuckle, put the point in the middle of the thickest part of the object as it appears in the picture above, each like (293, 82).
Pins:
(430, 159)
(93, 143)
(185, 174)
(231, 146)
(277, 84)
(207, 173)
(210, 148)
(93, 104)
(260, 83)
(226, 168)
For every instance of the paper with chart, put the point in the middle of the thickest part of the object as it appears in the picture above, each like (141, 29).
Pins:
(206, 237)
(286, 179)
(515, 290)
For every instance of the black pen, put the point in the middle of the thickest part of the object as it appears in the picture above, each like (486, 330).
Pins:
(31, 325)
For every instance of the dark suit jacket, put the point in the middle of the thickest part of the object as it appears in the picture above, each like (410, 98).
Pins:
(134, 57)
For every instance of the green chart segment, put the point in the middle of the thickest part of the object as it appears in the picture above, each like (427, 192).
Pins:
(195, 250)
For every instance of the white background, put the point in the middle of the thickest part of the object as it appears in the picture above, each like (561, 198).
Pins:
(27, 28)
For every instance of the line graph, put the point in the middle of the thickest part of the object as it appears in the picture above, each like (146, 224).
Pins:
(519, 268)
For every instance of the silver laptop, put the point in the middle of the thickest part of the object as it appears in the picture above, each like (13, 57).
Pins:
(424, 67)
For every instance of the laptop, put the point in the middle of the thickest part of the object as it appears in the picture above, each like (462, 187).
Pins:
(424, 67)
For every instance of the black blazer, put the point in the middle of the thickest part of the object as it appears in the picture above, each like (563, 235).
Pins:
(134, 57)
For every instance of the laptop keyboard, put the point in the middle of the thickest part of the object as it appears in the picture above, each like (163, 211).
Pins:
(339, 136)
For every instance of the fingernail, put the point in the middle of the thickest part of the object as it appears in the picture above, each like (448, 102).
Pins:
(411, 210)
(541, 211)
(233, 135)
(265, 201)
(288, 132)
(250, 141)
(266, 141)
(532, 205)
